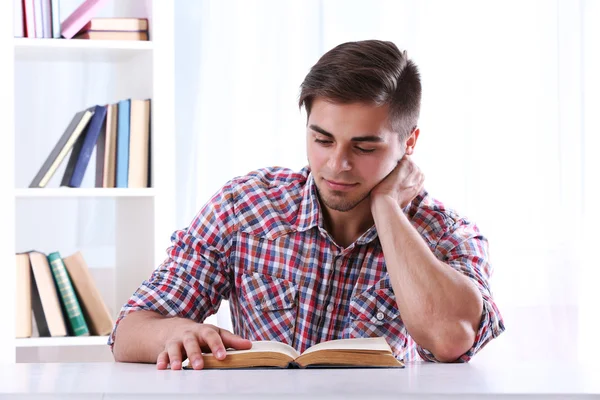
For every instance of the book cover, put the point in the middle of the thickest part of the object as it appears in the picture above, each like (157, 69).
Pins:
(61, 149)
(116, 24)
(139, 135)
(81, 16)
(95, 310)
(67, 295)
(74, 176)
(355, 352)
(106, 35)
(45, 299)
(23, 299)
(122, 174)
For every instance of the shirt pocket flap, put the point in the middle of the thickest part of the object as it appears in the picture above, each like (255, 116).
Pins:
(375, 305)
(269, 293)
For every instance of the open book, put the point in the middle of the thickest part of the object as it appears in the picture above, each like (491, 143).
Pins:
(359, 352)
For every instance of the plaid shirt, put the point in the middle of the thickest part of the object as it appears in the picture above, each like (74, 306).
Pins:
(260, 243)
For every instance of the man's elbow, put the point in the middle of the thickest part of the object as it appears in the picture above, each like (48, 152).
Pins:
(455, 344)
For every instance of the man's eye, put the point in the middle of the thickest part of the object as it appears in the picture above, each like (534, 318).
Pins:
(365, 150)
(323, 141)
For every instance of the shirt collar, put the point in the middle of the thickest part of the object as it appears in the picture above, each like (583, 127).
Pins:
(310, 211)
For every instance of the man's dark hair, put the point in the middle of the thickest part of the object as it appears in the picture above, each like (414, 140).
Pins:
(371, 72)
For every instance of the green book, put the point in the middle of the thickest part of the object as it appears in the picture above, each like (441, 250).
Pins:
(67, 295)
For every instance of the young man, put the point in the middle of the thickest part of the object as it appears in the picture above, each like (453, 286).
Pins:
(350, 246)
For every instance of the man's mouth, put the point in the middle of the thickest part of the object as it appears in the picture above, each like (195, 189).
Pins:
(338, 185)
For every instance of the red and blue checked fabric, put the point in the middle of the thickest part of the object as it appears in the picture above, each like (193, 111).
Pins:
(260, 243)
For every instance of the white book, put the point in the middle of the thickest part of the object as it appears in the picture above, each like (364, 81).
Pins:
(18, 24)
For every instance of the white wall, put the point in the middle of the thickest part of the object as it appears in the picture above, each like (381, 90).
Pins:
(506, 94)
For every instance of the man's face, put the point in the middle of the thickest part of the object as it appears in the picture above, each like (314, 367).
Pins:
(350, 150)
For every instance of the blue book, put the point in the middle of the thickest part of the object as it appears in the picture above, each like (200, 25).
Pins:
(123, 113)
(82, 152)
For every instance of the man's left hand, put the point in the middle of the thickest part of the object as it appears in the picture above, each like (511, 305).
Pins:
(403, 184)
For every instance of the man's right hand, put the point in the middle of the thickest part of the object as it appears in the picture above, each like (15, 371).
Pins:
(189, 339)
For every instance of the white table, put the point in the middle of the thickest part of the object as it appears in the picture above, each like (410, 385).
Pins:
(416, 381)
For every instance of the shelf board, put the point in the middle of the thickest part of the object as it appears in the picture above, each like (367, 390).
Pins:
(79, 49)
(62, 341)
(83, 192)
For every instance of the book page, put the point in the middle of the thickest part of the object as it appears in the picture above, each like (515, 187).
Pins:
(372, 344)
(266, 346)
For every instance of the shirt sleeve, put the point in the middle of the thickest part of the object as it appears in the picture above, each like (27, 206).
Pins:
(465, 249)
(194, 278)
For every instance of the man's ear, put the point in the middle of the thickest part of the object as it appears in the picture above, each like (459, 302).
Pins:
(411, 141)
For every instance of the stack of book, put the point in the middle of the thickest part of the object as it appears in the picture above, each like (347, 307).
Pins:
(120, 134)
(61, 295)
(114, 29)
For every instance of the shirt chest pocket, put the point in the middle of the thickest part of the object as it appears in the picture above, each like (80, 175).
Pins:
(374, 312)
(270, 305)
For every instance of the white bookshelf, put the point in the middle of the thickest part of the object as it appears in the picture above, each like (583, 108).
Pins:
(44, 83)
(83, 192)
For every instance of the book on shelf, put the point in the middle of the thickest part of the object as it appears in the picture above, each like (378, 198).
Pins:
(123, 120)
(81, 16)
(116, 24)
(356, 352)
(18, 19)
(139, 138)
(43, 292)
(45, 300)
(106, 35)
(106, 150)
(70, 305)
(62, 148)
(23, 297)
(37, 18)
(120, 134)
(82, 152)
(42, 19)
(95, 311)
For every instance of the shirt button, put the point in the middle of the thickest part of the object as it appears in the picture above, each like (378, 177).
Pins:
(379, 316)
(330, 308)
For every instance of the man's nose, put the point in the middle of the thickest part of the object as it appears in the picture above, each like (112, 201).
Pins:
(339, 161)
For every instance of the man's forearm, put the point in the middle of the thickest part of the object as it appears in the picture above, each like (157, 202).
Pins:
(141, 336)
(440, 307)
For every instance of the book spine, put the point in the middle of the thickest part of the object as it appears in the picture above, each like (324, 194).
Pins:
(139, 129)
(110, 147)
(28, 9)
(55, 19)
(81, 16)
(100, 153)
(18, 23)
(124, 112)
(39, 18)
(91, 137)
(47, 19)
(67, 294)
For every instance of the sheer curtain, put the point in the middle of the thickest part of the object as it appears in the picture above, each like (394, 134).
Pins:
(509, 101)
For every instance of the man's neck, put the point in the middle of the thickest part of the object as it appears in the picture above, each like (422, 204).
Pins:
(346, 227)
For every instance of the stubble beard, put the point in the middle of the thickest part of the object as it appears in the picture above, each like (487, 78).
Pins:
(339, 201)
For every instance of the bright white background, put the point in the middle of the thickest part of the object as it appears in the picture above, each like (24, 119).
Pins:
(508, 130)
